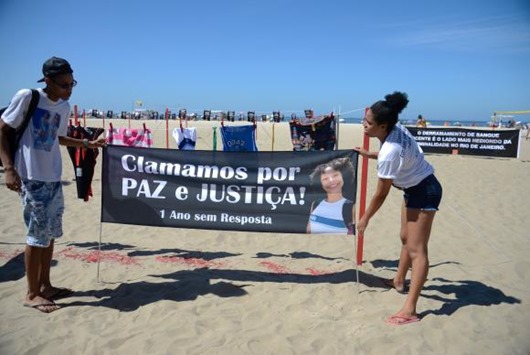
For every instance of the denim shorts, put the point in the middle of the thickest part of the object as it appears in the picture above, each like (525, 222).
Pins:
(424, 196)
(42, 207)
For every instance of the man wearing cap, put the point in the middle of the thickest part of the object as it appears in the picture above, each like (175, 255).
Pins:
(35, 173)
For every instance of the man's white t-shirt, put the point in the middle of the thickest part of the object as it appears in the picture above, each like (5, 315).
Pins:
(38, 156)
(401, 159)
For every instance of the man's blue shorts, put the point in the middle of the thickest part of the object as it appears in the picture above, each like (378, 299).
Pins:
(42, 207)
(425, 196)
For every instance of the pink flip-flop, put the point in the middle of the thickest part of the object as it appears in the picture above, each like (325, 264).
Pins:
(397, 319)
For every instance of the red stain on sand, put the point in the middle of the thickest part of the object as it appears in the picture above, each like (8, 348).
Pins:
(94, 256)
(279, 269)
(193, 262)
(11, 254)
(316, 272)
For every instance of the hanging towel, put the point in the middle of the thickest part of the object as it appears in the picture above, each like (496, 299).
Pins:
(313, 134)
(239, 138)
(131, 137)
(185, 138)
(84, 160)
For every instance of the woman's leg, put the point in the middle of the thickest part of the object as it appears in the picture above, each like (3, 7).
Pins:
(419, 224)
(404, 259)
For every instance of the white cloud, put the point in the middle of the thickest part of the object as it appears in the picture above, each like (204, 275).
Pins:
(494, 33)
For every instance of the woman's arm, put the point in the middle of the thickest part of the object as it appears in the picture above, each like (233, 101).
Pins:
(363, 152)
(381, 192)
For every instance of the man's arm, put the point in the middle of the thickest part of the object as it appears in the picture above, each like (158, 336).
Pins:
(11, 176)
(82, 143)
(5, 149)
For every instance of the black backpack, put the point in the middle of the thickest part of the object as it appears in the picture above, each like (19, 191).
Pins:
(15, 135)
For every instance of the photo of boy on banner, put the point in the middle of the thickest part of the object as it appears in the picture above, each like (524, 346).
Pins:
(333, 210)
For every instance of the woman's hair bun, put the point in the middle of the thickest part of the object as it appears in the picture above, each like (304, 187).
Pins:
(397, 101)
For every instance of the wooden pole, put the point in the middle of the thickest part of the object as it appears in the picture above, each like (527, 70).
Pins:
(362, 199)
(167, 128)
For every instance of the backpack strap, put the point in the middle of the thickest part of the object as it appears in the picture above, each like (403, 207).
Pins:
(31, 110)
(15, 135)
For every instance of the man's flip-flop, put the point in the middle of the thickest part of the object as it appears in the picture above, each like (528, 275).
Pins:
(43, 307)
(390, 284)
(58, 293)
(397, 319)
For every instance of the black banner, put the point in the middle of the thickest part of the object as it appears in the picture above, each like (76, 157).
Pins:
(493, 143)
(246, 191)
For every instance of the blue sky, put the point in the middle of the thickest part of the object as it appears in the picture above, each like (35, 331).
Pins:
(456, 59)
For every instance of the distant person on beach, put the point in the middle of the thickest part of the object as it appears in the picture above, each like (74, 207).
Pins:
(334, 213)
(421, 122)
(400, 163)
(35, 173)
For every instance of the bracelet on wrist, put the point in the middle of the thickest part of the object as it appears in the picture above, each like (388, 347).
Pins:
(85, 143)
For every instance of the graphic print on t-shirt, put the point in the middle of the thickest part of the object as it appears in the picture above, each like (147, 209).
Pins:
(45, 128)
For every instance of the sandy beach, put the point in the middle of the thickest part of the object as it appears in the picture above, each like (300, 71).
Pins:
(190, 291)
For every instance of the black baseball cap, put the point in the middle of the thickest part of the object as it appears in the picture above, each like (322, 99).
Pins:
(55, 66)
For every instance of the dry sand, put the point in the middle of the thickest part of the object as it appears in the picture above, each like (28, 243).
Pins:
(183, 291)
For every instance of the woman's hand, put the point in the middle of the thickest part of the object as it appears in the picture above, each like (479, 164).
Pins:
(363, 152)
(363, 223)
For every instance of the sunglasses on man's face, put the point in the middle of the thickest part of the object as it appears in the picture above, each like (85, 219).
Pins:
(65, 86)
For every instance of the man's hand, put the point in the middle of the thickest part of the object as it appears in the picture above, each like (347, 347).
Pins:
(98, 143)
(12, 180)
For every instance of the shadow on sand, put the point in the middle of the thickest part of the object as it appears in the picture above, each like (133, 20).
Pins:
(187, 285)
(14, 269)
(463, 293)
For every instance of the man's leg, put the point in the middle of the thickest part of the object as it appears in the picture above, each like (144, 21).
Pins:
(54, 222)
(45, 266)
(39, 248)
(46, 288)
(33, 259)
